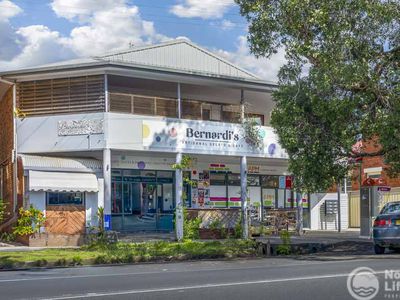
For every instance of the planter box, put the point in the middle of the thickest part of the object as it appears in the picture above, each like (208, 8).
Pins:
(213, 234)
(52, 240)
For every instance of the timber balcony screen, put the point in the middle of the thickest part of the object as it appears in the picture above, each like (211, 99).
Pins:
(61, 96)
(168, 107)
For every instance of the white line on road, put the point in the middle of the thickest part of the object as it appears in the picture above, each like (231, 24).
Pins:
(200, 286)
(71, 276)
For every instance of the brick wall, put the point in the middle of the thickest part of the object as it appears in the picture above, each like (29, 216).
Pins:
(6, 146)
(372, 162)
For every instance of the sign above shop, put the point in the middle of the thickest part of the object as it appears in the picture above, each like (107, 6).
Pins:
(80, 127)
(208, 138)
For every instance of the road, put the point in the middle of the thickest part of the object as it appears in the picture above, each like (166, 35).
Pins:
(272, 278)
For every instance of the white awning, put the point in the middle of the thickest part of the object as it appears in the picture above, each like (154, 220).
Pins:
(62, 182)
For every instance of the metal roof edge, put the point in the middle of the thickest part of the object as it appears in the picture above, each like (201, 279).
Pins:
(104, 65)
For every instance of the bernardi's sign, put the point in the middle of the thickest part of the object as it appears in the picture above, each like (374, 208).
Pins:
(207, 138)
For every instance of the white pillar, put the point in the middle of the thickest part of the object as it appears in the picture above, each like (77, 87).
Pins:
(106, 94)
(178, 92)
(178, 199)
(107, 183)
(243, 196)
(15, 151)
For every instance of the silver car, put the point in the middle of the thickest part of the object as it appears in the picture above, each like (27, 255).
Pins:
(386, 231)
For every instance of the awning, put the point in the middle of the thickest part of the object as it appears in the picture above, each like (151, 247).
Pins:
(62, 182)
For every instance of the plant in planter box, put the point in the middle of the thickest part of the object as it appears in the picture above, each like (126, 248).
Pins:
(3, 212)
(29, 221)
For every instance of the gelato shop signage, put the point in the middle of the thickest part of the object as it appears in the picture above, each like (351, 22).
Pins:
(205, 138)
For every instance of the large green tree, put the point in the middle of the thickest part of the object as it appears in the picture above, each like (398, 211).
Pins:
(341, 80)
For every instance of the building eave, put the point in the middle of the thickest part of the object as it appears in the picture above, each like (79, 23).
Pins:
(135, 70)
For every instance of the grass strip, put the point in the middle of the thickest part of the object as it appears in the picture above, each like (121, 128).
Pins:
(128, 253)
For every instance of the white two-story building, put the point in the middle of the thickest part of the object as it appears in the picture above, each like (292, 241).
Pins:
(105, 132)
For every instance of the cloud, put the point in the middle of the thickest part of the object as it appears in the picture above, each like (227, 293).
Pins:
(102, 26)
(40, 46)
(205, 9)
(8, 10)
(106, 25)
(8, 38)
(266, 69)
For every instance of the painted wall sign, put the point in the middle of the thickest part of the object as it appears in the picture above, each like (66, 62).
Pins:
(80, 127)
(253, 169)
(218, 167)
(282, 182)
(207, 137)
(289, 182)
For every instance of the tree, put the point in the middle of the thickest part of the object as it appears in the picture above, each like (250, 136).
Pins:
(341, 80)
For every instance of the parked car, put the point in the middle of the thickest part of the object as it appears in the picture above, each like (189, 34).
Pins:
(386, 230)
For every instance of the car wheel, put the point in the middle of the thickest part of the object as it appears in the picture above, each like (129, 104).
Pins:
(378, 249)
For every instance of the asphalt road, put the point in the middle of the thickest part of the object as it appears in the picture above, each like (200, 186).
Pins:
(272, 278)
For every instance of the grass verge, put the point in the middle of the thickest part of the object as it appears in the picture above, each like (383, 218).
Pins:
(128, 253)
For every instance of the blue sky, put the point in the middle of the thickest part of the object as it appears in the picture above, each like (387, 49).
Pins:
(34, 32)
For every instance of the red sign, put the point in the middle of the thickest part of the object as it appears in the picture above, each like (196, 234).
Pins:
(384, 188)
(288, 182)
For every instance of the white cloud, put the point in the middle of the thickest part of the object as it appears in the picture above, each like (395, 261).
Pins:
(266, 69)
(40, 46)
(106, 25)
(102, 26)
(83, 9)
(205, 9)
(9, 44)
(8, 10)
(227, 25)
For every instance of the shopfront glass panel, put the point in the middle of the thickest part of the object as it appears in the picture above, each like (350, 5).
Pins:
(142, 200)
(234, 192)
(268, 198)
(270, 181)
(289, 198)
(281, 198)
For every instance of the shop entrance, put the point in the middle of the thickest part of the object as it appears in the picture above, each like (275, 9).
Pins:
(142, 201)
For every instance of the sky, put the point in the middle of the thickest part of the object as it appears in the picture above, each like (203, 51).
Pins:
(35, 32)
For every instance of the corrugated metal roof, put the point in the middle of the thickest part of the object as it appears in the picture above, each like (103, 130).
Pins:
(36, 162)
(180, 54)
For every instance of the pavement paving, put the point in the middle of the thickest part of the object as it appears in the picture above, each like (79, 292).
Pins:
(272, 278)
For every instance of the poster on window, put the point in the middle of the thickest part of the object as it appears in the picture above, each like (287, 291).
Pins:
(200, 200)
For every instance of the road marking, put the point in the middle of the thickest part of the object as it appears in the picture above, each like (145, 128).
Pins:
(200, 286)
(71, 276)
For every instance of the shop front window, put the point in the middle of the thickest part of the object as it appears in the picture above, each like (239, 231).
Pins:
(217, 179)
(65, 198)
(253, 180)
(234, 179)
(270, 181)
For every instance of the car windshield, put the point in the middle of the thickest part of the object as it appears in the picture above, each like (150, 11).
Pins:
(393, 208)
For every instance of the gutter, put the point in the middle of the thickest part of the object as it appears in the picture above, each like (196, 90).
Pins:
(14, 151)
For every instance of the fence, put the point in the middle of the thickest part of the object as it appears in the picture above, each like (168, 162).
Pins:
(354, 204)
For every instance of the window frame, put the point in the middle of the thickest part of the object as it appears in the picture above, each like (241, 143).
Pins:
(83, 199)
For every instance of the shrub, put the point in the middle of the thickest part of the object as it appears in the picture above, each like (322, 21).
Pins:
(76, 260)
(61, 262)
(101, 259)
(7, 237)
(191, 228)
(29, 221)
(40, 263)
(2, 210)
(284, 248)
(239, 229)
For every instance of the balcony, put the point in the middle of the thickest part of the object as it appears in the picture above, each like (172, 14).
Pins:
(168, 107)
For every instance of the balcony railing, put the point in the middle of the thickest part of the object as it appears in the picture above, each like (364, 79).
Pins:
(168, 107)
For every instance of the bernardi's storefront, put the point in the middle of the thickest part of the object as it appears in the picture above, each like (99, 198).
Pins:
(143, 192)
(136, 183)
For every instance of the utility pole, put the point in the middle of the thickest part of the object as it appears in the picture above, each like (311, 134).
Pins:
(338, 209)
